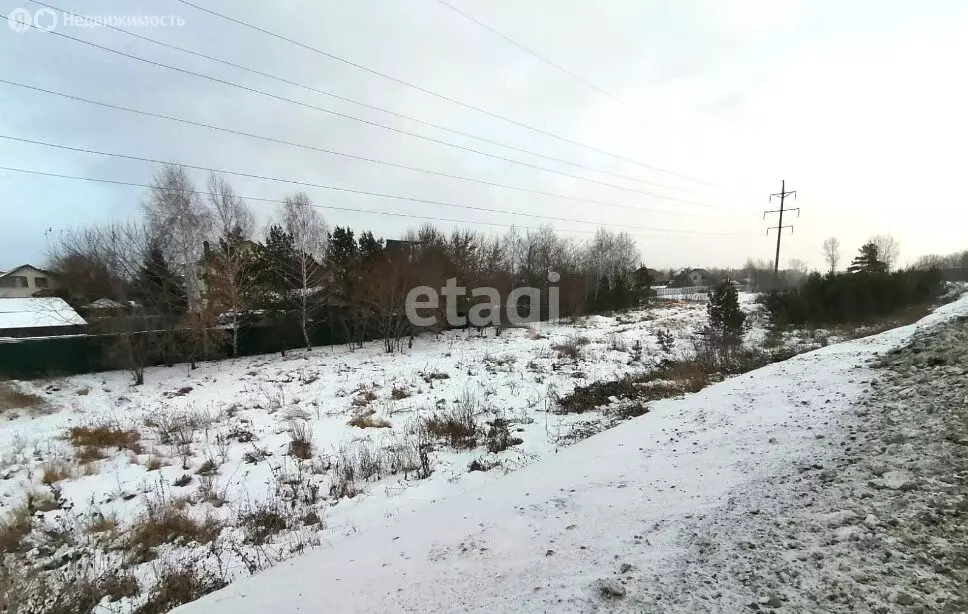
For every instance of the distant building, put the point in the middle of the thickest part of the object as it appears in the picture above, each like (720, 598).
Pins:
(658, 277)
(38, 317)
(25, 281)
(698, 277)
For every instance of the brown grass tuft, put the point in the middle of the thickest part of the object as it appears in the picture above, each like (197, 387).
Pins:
(300, 439)
(458, 426)
(672, 379)
(168, 523)
(13, 398)
(367, 421)
(105, 436)
(14, 528)
(55, 471)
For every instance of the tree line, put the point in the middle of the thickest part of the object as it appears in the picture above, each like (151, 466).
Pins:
(866, 291)
(185, 280)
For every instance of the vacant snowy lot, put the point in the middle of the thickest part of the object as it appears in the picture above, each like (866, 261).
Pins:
(834, 481)
(238, 465)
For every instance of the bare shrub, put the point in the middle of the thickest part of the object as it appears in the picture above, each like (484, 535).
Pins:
(497, 436)
(168, 522)
(300, 439)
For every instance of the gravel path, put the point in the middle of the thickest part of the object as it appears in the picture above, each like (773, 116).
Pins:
(876, 521)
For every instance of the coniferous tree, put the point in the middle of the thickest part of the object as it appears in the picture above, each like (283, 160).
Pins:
(156, 287)
(278, 283)
(867, 261)
(726, 318)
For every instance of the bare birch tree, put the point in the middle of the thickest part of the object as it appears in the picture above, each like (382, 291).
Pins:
(831, 253)
(888, 249)
(230, 264)
(308, 231)
(177, 216)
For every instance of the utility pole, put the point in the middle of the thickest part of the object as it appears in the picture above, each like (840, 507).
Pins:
(779, 227)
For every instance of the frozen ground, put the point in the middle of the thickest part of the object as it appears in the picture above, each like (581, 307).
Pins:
(834, 481)
(215, 444)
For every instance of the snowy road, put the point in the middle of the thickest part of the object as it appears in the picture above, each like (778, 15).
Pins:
(613, 523)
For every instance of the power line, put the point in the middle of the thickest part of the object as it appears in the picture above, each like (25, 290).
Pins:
(379, 125)
(308, 147)
(534, 53)
(357, 102)
(333, 207)
(445, 97)
(296, 182)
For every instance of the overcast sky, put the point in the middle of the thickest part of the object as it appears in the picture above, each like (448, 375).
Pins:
(859, 105)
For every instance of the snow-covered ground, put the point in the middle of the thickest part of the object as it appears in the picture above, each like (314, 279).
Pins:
(650, 515)
(215, 443)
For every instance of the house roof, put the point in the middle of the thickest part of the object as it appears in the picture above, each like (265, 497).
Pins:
(37, 312)
(24, 266)
(105, 303)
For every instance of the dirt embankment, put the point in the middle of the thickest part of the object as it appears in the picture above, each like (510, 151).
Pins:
(879, 523)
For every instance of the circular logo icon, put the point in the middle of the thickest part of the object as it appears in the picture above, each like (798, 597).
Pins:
(45, 20)
(20, 19)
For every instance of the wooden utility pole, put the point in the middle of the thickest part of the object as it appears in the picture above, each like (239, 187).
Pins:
(779, 227)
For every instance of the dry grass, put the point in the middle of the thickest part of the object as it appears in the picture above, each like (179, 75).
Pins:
(432, 376)
(671, 380)
(571, 347)
(535, 335)
(262, 521)
(13, 398)
(363, 398)
(300, 439)
(55, 471)
(105, 436)
(165, 523)
(367, 421)
(14, 528)
(103, 524)
(457, 426)
(179, 586)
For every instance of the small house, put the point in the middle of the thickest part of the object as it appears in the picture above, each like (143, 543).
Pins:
(25, 281)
